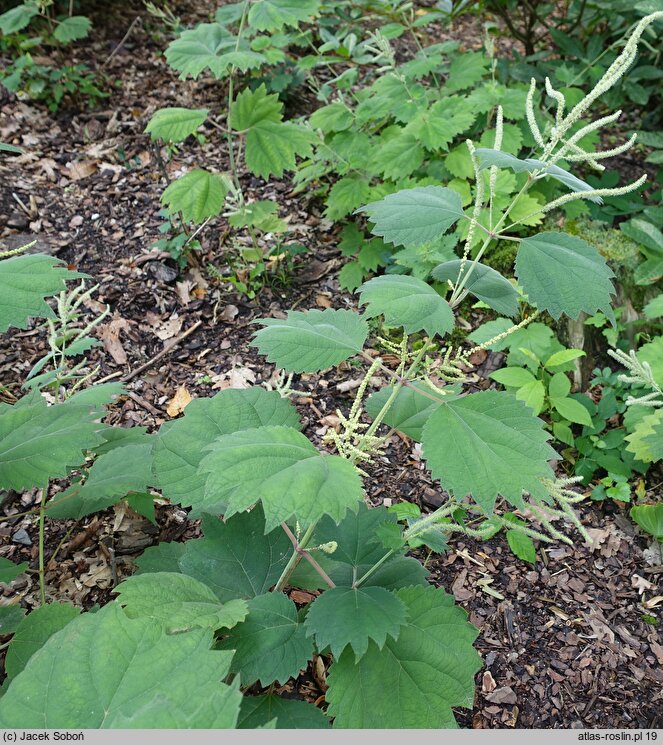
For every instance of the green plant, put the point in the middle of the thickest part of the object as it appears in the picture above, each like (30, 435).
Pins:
(256, 135)
(200, 621)
(46, 82)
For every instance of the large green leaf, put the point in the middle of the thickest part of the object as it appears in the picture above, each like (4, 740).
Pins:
(407, 302)
(413, 217)
(40, 442)
(24, 283)
(354, 616)
(652, 354)
(211, 46)
(175, 124)
(11, 617)
(162, 557)
(272, 147)
(197, 195)
(104, 670)
(271, 644)
(410, 410)
(428, 670)
(72, 28)
(311, 341)
(34, 631)
(486, 444)
(113, 475)
(258, 711)
(282, 469)
(484, 283)
(236, 559)
(645, 234)
(254, 106)
(180, 443)
(564, 274)
(358, 548)
(644, 439)
(273, 15)
(18, 18)
(650, 518)
(488, 157)
(177, 602)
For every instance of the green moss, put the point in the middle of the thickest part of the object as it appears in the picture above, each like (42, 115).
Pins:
(502, 258)
(611, 244)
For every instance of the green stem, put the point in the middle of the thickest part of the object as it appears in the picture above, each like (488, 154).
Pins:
(42, 515)
(294, 560)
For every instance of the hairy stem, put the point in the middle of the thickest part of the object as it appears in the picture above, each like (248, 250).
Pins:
(294, 560)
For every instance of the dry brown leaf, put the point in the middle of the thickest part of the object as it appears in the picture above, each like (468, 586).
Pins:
(169, 328)
(110, 336)
(80, 170)
(488, 684)
(229, 313)
(179, 402)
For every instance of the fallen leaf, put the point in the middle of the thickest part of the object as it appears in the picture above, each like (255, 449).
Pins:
(657, 649)
(110, 337)
(488, 684)
(229, 313)
(80, 170)
(178, 402)
(503, 695)
(169, 328)
(641, 584)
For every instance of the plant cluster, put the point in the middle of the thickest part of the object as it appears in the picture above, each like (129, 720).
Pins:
(28, 30)
(204, 633)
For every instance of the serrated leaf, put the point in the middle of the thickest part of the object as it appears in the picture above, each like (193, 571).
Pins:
(40, 442)
(112, 476)
(410, 410)
(413, 217)
(179, 443)
(34, 631)
(104, 670)
(273, 147)
(175, 124)
(197, 195)
(72, 28)
(258, 711)
(489, 157)
(282, 469)
(335, 117)
(399, 156)
(311, 341)
(177, 602)
(9, 571)
(507, 443)
(429, 669)
(253, 106)
(351, 276)
(652, 354)
(273, 15)
(345, 196)
(24, 283)
(350, 616)
(359, 547)
(210, 46)
(407, 302)
(639, 440)
(236, 558)
(436, 127)
(521, 545)
(484, 283)
(18, 18)
(466, 70)
(564, 274)
(271, 644)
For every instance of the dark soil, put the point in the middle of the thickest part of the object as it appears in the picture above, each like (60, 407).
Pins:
(566, 643)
